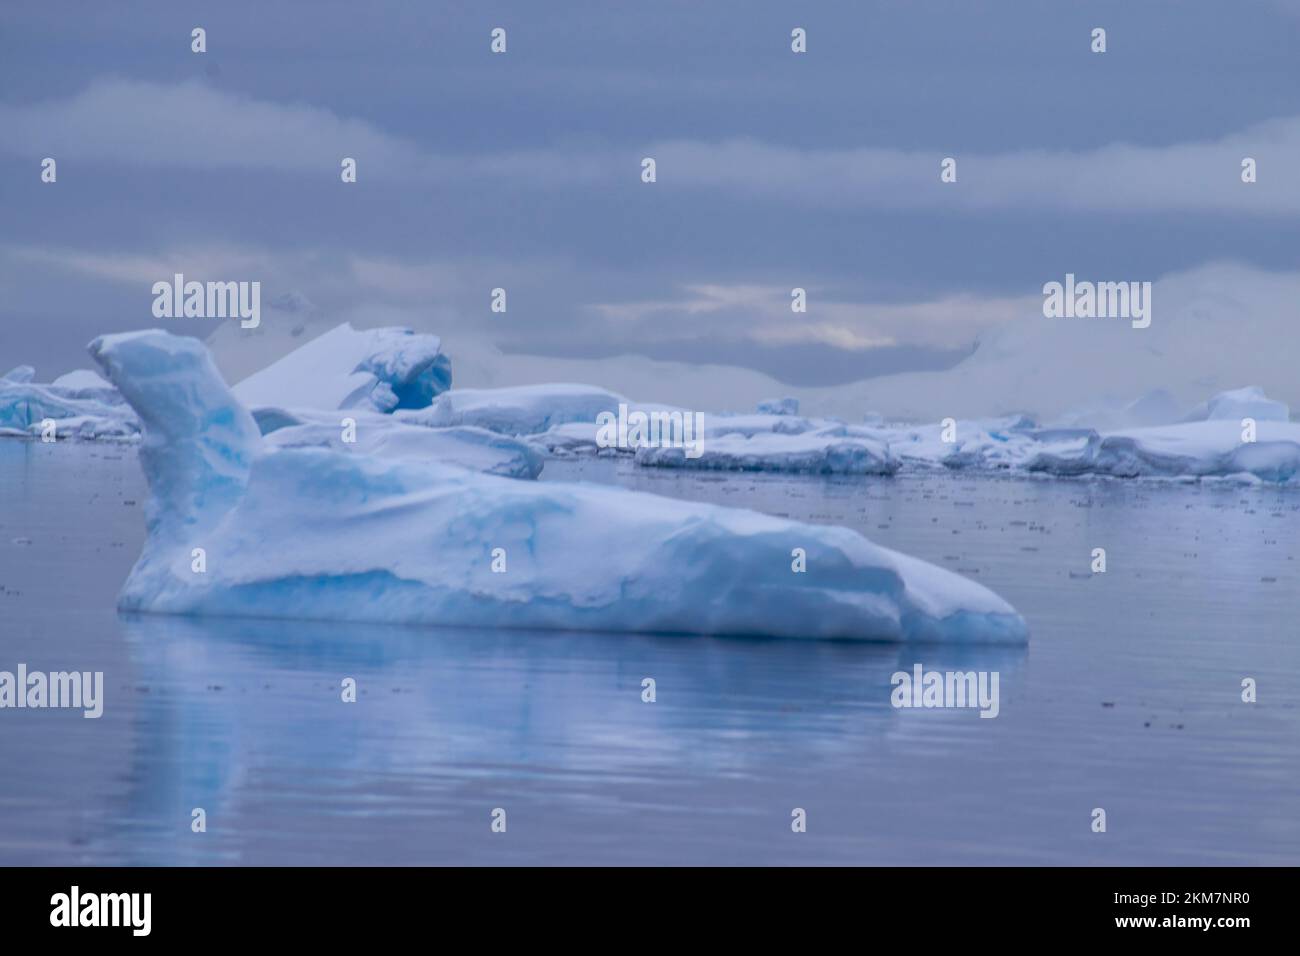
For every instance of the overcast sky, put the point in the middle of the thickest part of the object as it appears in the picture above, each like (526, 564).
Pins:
(522, 170)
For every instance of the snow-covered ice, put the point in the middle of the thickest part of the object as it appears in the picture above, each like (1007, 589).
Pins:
(84, 383)
(1248, 402)
(374, 369)
(1155, 407)
(1214, 448)
(779, 406)
(81, 405)
(757, 424)
(1197, 449)
(509, 431)
(829, 451)
(521, 410)
(317, 533)
(382, 437)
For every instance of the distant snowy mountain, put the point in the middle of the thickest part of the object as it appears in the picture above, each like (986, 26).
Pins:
(1213, 329)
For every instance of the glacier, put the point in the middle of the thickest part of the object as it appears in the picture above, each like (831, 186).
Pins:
(313, 532)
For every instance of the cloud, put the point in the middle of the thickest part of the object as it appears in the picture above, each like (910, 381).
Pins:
(194, 125)
(763, 314)
(143, 268)
(1199, 176)
(742, 322)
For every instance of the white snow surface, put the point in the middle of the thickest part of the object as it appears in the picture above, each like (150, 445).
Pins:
(779, 406)
(382, 437)
(522, 410)
(1239, 403)
(1218, 448)
(829, 451)
(372, 370)
(81, 404)
(318, 533)
(1209, 449)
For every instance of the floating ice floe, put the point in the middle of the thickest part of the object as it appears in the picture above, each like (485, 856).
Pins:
(1209, 449)
(80, 404)
(574, 438)
(1219, 447)
(238, 529)
(987, 444)
(829, 451)
(377, 370)
(758, 424)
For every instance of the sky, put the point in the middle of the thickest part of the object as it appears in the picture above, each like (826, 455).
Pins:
(522, 170)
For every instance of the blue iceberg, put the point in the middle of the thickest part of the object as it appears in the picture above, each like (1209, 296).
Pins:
(237, 528)
(378, 370)
(80, 405)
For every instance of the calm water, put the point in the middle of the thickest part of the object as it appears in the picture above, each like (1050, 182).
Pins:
(1128, 698)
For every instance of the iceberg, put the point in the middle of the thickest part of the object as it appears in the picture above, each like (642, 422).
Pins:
(750, 425)
(779, 406)
(583, 436)
(1154, 407)
(381, 437)
(1234, 405)
(987, 444)
(378, 370)
(519, 410)
(1209, 449)
(594, 438)
(239, 529)
(81, 405)
(574, 438)
(827, 452)
(83, 383)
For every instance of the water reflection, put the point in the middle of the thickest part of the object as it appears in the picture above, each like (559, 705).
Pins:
(235, 707)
